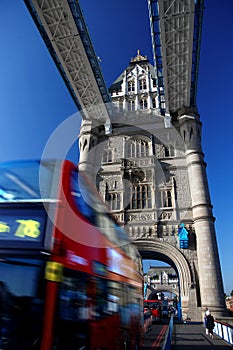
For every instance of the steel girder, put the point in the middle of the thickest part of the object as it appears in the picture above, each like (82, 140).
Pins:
(176, 35)
(63, 29)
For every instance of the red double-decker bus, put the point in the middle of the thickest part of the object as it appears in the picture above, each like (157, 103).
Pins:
(154, 307)
(69, 277)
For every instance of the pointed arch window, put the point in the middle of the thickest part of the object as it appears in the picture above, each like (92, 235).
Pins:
(141, 197)
(138, 148)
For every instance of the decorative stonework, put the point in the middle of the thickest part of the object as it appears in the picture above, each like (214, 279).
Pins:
(118, 217)
(139, 217)
(138, 163)
(166, 215)
(139, 57)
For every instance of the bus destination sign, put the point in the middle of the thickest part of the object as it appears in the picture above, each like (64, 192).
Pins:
(22, 225)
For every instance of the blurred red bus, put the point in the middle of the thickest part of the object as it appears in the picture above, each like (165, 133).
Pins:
(154, 307)
(70, 279)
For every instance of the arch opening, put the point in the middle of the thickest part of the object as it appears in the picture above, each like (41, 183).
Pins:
(171, 256)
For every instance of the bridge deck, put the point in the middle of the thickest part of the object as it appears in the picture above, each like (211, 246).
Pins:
(189, 336)
(193, 336)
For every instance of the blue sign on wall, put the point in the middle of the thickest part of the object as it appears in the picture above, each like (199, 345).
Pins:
(183, 237)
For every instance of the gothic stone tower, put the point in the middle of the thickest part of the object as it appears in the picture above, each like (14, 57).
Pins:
(151, 173)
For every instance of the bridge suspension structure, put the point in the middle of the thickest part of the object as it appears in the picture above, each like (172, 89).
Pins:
(176, 39)
(64, 31)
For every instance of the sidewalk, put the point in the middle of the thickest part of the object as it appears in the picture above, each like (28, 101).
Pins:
(192, 336)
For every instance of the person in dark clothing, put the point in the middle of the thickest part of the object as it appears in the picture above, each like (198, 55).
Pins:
(210, 324)
(205, 319)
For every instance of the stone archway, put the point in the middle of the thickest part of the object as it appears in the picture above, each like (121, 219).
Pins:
(177, 260)
(162, 290)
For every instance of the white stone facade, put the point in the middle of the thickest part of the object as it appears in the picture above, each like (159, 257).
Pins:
(151, 174)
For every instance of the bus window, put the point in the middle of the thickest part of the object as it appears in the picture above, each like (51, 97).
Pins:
(71, 329)
(79, 193)
(112, 297)
(22, 291)
(73, 297)
(100, 304)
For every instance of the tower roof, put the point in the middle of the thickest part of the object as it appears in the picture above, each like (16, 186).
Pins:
(139, 58)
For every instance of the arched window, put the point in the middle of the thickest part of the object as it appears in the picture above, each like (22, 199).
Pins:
(141, 197)
(107, 156)
(131, 150)
(131, 105)
(131, 86)
(144, 148)
(166, 199)
(153, 102)
(168, 151)
(114, 200)
(143, 104)
(142, 84)
(138, 148)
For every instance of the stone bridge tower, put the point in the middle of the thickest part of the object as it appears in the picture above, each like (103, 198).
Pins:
(151, 173)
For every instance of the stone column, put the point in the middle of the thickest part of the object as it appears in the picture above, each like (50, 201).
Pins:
(209, 271)
(87, 141)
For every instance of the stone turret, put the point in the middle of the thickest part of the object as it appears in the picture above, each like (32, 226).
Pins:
(209, 271)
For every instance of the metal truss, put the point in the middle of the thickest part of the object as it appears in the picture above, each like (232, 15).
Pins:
(63, 29)
(176, 34)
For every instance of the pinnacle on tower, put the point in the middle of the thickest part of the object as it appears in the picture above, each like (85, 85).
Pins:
(139, 57)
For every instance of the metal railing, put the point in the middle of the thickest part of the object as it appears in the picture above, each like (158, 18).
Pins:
(224, 331)
(168, 336)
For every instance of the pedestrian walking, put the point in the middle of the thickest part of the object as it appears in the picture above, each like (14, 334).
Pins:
(205, 320)
(210, 324)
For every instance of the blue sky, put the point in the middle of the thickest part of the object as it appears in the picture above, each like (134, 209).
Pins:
(34, 100)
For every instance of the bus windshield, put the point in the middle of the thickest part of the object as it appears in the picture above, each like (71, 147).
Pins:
(26, 180)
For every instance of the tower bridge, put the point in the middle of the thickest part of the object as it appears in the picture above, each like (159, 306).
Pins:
(147, 163)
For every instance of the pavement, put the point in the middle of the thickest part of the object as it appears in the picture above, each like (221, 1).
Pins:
(192, 336)
(154, 336)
